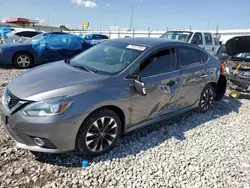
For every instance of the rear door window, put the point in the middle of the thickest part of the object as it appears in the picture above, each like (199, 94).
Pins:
(190, 57)
(208, 38)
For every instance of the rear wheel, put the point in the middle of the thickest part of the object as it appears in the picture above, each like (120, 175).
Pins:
(99, 133)
(23, 60)
(206, 99)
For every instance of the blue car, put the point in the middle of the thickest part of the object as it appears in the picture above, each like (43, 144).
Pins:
(43, 48)
(95, 38)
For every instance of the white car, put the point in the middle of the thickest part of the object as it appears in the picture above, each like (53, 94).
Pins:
(204, 39)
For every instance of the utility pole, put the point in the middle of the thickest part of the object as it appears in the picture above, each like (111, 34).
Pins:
(132, 15)
(115, 24)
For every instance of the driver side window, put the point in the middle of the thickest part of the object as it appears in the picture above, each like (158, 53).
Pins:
(197, 39)
(162, 62)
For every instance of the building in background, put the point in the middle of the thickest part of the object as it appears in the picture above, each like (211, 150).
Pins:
(25, 22)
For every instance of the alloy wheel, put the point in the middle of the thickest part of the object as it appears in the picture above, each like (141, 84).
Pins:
(101, 134)
(207, 99)
(23, 61)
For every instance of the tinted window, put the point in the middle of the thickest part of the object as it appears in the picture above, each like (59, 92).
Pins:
(88, 37)
(189, 57)
(163, 62)
(204, 57)
(208, 38)
(27, 34)
(105, 37)
(197, 39)
(97, 37)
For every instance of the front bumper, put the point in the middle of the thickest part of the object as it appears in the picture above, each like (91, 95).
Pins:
(60, 131)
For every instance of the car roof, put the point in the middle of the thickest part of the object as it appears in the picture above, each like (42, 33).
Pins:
(150, 42)
(55, 32)
(188, 30)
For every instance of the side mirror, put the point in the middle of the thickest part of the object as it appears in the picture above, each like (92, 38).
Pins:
(140, 86)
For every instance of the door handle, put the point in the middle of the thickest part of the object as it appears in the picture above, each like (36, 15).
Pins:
(171, 83)
(213, 49)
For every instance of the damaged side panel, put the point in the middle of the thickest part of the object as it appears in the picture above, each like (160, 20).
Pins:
(161, 98)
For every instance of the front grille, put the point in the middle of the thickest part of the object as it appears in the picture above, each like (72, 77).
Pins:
(11, 99)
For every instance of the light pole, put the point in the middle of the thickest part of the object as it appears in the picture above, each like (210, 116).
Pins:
(132, 18)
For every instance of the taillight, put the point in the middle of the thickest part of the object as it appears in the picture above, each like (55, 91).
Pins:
(222, 68)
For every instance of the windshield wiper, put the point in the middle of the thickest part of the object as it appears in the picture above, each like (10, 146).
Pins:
(85, 68)
(81, 66)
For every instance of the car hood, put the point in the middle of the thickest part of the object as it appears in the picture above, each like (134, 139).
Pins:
(238, 45)
(54, 80)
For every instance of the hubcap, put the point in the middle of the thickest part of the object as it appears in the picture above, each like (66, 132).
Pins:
(101, 134)
(207, 99)
(23, 61)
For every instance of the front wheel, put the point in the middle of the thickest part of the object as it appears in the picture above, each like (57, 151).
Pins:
(99, 133)
(206, 99)
(23, 60)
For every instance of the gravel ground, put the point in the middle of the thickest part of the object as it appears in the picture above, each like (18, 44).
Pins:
(191, 150)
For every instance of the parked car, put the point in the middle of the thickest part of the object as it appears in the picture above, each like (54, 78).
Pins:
(95, 38)
(204, 39)
(42, 48)
(236, 62)
(113, 88)
(21, 37)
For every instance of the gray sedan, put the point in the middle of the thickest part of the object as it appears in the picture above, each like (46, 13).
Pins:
(87, 103)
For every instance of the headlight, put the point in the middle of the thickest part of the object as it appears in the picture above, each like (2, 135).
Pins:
(1, 51)
(48, 107)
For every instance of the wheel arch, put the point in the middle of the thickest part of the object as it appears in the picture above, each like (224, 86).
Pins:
(115, 109)
(220, 87)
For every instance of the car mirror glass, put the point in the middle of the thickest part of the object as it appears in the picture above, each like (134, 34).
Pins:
(140, 86)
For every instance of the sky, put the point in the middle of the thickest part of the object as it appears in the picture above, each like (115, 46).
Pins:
(156, 14)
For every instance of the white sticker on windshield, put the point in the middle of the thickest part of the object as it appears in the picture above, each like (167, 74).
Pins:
(186, 33)
(141, 48)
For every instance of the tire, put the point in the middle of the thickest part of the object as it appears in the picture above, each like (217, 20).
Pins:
(206, 99)
(23, 60)
(92, 139)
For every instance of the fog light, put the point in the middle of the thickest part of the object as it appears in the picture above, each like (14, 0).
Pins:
(39, 142)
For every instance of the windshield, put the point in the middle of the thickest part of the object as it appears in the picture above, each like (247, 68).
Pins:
(109, 57)
(177, 35)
